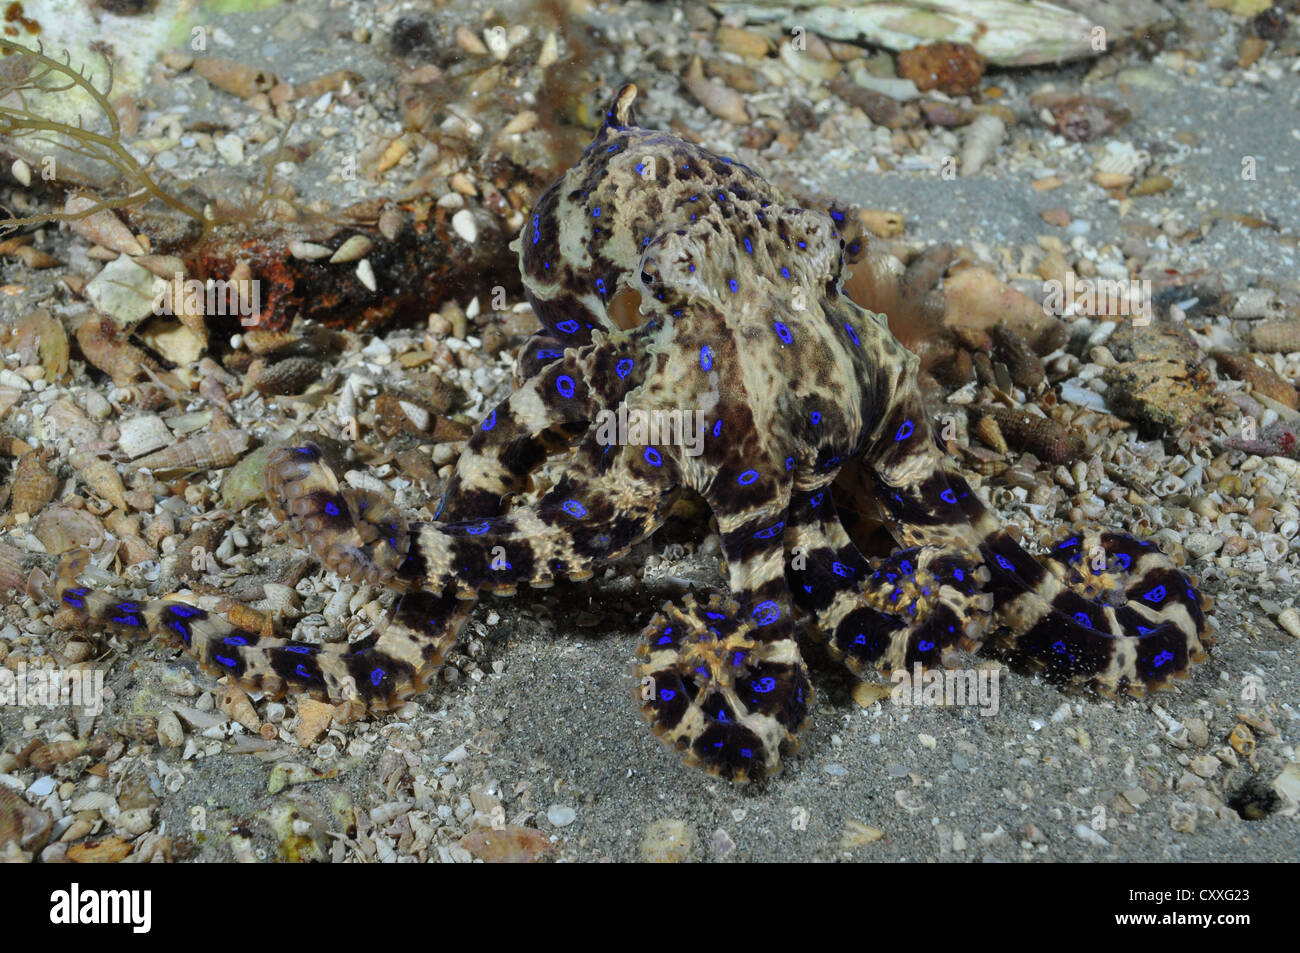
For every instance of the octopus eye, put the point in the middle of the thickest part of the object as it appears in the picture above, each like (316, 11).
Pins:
(647, 278)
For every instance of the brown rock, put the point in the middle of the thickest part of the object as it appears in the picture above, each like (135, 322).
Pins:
(952, 68)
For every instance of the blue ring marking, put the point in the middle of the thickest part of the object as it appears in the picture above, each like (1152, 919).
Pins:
(770, 531)
(301, 672)
(906, 566)
(377, 676)
(1144, 630)
(958, 575)
(816, 417)
(332, 509)
(691, 266)
(441, 504)
(765, 684)
(549, 353)
(733, 285)
(564, 384)
(706, 357)
(546, 266)
(1162, 658)
(305, 451)
(299, 649)
(789, 463)
(803, 244)
(490, 420)
(235, 640)
(748, 477)
(948, 496)
(623, 367)
(765, 613)
(831, 463)
(1060, 648)
(816, 500)
(71, 600)
(717, 428)
(652, 457)
(667, 694)
(664, 640)
(640, 168)
(180, 628)
(600, 286)
(904, 430)
(227, 662)
(860, 639)
(595, 213)
(1156, 595)
(785, 272)
(925, 646)
(840, 570)
(1005, 563)
(574, 508)
(749, 247)
(735, 659)
(479, 528)
(1124, 560)
(567, 327)
(128, 606)
(1066, 544)
(746, 752)
(537, 229)
(783, 332)
(715, 615)
(1083, 619)
(127, 619)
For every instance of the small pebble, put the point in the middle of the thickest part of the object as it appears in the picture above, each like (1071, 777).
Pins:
(463, 224)
(560, 815)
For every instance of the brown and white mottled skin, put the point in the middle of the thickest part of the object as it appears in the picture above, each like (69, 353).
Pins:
(746, 326)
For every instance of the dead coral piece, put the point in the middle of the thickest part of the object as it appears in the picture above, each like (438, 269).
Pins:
(952, 68)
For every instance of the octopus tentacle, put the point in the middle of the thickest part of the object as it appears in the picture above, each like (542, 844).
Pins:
(544, 416)
(1123, 619)
(913, 607)
(578, 523)
(380, 671)
(711, 687)
(1155, 628)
